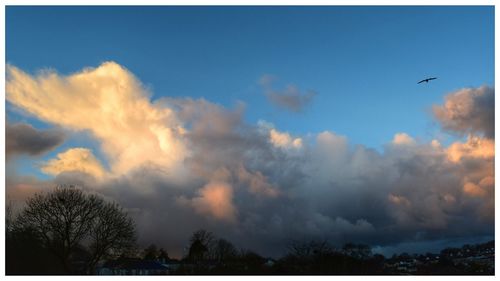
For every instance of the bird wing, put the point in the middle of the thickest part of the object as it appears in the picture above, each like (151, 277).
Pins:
(427, 80)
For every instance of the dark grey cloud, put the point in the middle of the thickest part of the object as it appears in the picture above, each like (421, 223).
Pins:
(289, 98)
(22, 138)
(469, 110)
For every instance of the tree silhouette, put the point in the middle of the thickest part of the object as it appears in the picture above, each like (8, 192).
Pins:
(151, 252)
(163, 255)
(25, 254)
(224, 250)
(112, 234)
(197, 251)
(360, 251)
(309, 249)
(9, 215)
(202, 244)
(205, 237)
(66, 220)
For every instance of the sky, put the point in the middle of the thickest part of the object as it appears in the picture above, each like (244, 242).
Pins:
(260, 123)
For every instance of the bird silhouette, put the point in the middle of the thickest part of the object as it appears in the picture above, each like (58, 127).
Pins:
(427, 80)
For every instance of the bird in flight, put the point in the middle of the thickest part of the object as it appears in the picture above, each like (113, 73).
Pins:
(427, 80)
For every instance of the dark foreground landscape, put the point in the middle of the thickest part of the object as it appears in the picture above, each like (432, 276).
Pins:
(70, 232)
(316, 258)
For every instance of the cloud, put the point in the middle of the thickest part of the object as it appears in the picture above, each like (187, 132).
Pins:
(74, 160)
(180, 164)
(284, 140)
(216, 200)
(399, 200)
(475, 147)
(474, 189)
(289, 98)
(403, 139)
(22, 138)
(257, 182)
(423, 186)
(279, 139)
(468, 111)
(109, 102)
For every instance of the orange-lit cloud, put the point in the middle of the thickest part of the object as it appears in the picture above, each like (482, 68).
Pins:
(474, 147)
(75, 160)
(399, 200)
(474, 189)
(481, 188)
(109, 102)
(403, 139)
(284, 140)
(279, 139)
(216, 198)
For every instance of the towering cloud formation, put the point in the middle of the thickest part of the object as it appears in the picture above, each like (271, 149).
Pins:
(182, 164)
(109, 102)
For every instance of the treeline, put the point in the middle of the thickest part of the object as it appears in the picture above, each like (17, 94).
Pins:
(219, 256)
(209, 255)
(206, 256)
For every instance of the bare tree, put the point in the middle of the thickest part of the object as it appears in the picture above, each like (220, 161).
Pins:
(310, 249)
(202, 245)
(111, 235)
(9, 216)
(224, 250)
(205, 237)
(163, 255)
(359, 251)
(197, 252)
(66, 219)
(151, 252)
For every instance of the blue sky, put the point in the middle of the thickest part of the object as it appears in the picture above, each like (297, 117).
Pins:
(363, 62)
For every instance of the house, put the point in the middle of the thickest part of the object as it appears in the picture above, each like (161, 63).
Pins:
(269, 262)
(171, 264)
(132, 266)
